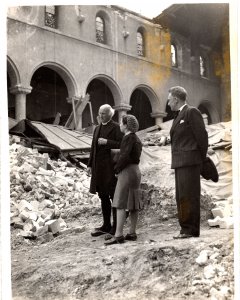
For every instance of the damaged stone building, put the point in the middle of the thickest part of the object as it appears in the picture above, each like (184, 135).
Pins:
(56, 55)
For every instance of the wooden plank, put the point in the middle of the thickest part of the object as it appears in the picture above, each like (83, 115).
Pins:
(78, 135)
(76, 114)
(72, 140)
(51, 136)
(57, 118)
(64, 138)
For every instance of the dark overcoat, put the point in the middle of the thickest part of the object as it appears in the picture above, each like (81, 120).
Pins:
(189, 138)
(103, 178)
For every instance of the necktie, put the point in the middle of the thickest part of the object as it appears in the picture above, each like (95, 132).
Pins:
(176, 114)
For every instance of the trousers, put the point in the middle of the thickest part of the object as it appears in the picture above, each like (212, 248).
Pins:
(106, 200)
(188, 189)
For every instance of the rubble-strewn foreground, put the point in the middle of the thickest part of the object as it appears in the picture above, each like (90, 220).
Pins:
(54, 256)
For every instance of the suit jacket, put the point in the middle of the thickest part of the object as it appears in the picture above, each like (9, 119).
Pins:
(189, 138)
(103, 178)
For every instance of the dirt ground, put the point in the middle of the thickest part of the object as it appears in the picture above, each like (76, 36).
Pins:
(74, 265)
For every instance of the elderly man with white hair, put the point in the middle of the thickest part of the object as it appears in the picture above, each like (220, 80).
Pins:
(106, 136)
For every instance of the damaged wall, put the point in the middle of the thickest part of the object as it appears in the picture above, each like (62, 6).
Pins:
(72, 52)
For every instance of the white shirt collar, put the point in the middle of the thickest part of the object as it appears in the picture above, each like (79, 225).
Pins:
(182, 106)
(106, 122)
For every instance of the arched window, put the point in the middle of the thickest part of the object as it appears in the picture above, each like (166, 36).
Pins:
(51, 16)
(174, 61)
(100, 30)
(140, 44)
(203, 66)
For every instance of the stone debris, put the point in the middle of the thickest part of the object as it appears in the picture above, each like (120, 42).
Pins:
(216, 276)
(53, 226)
(223, 215)
(157, 138)
(42, 189)
(203, 257)
(218, 212)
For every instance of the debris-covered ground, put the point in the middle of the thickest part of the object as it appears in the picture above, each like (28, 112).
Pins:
(55, 257)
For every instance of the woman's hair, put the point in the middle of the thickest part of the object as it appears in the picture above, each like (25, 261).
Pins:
(131, 122)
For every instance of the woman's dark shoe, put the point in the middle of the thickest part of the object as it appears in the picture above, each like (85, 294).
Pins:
(131, 237)
(115, 240)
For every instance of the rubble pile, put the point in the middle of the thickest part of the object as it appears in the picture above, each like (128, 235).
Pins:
(158, 184)
(222, 214)
(156, 138)
(215, 276)
(162, 199)
(41, 191)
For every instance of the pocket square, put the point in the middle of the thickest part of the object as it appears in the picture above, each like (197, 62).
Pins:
(182, 121)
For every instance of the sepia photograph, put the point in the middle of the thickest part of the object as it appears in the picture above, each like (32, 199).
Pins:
(119, 151)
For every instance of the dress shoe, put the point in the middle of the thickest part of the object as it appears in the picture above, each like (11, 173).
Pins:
(103, 228)
(183, 236)
(100, 231)
(131, 237)
(97, 233)
(115, 240)
(99, 228)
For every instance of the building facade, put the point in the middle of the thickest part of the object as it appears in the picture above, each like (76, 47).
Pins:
(58, 54)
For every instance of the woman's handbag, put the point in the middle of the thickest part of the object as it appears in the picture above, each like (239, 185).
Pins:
(209, 170)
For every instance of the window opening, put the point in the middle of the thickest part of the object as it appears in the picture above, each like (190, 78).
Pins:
(140, 44)
(173, 56)
(100, 30)
(50, 16)
(203, 68)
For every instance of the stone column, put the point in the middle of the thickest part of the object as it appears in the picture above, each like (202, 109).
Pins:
(122, 109)
(20, 100)
(158, 117)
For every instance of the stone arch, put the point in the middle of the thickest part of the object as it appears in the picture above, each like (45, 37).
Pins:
(65, 74)
(142, 30)
(144, 105)
(206, 107)
(13, 73)
(113, 86)
(53, 88)
(102, 89)
(152, 96)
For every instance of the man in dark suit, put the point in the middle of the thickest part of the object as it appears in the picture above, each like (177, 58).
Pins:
(189, 143)
(106, 136)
